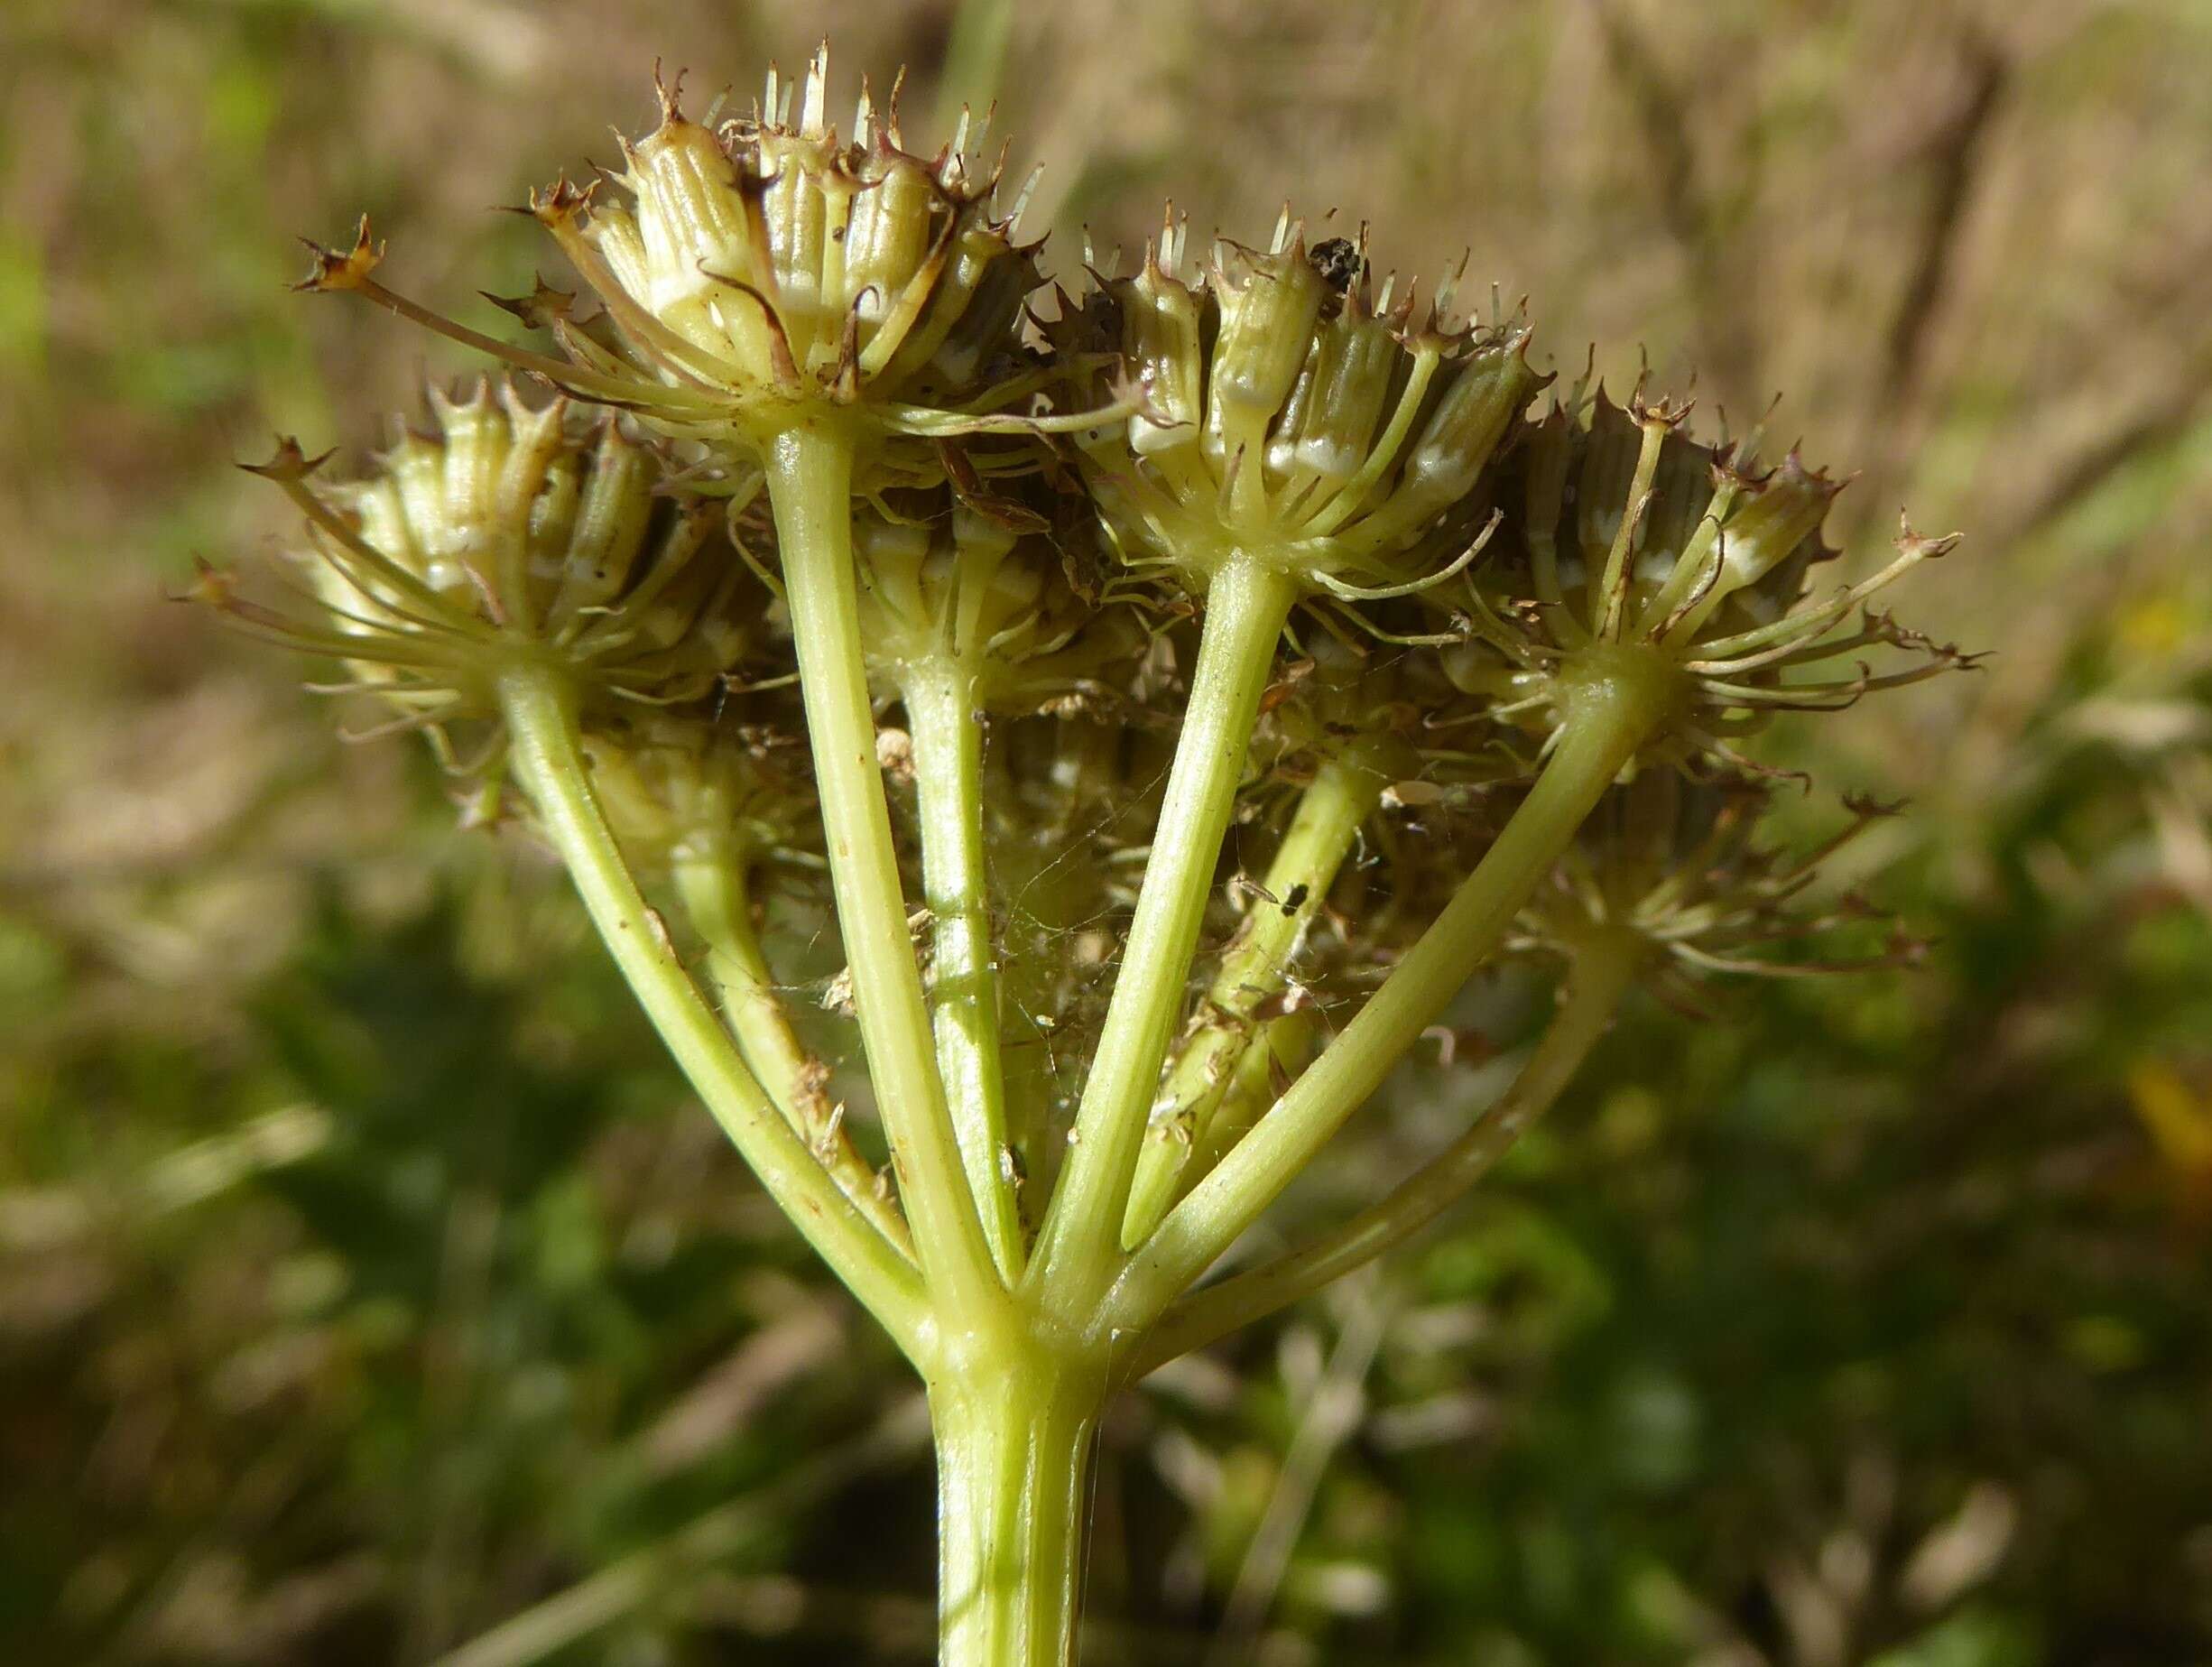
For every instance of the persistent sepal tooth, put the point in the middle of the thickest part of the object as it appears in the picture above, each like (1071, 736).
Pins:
(669, 94)
(212, 587)
(1911, 543)
(891, 110)
(1447, 291)
(1664, 412)
(287, 462)
(865, 130)
(562, 204)
(542, 308)
(333, 271)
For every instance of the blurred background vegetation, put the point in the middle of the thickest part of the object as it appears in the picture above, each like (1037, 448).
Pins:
(369, 1289)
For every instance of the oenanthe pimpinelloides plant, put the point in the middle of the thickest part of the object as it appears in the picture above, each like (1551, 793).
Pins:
(818, 540)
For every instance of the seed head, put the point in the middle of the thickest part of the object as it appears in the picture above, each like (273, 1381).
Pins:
(756, 268)
(1625, 540)
(504, 533)
(1292, 416)
(767, 257)
(1674, 871)
(785, 332)
(682, 784)
(986, 592)
(1389, 711)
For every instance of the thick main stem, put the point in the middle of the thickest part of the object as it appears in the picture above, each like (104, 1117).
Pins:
(548, 761)
(1607, 724)
(1080, 1245)
(948, 737)
(1601, 974)
(1013, 1455)
(810, 483)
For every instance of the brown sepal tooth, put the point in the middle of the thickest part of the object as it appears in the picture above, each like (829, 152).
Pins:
(669, 93)
(334, 272)
(1664, 412)
(1732, 465)
(559, 204)
(1885, 627)
(1868, 808)
(540, 309)
(889, 122)
(1794, 471)
(1926, 548)
(218, 588)
(211, 586)
(289, 463)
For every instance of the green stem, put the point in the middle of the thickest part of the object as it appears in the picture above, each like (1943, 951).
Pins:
(1080, 1246)
(948, 736)
(1276, 1055)
(810, 483)
(1013, 1457)
(548, 761)
(711, 884)
(1607, 723)
(1602, 972)
(1342, 795)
